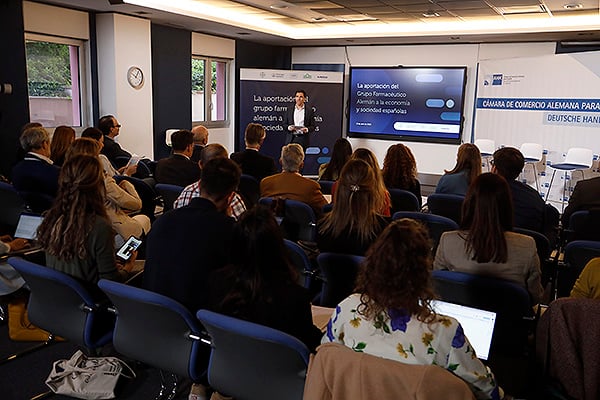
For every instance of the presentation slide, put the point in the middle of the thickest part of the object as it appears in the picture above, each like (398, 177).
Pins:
(403, 103)
(265, 96)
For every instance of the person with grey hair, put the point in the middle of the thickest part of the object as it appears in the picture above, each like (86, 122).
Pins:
(200, 141)
(36, 172)
(290, 184)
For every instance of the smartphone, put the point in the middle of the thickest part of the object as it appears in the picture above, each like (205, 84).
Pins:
(124, 253)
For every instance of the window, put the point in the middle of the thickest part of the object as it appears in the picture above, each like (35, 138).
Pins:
(54, 68)
(209, 91)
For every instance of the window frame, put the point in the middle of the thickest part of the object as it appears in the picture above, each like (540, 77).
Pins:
(84, 74)
(208, 104)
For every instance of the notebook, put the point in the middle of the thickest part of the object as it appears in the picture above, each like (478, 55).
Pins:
(28, 225)
(477, 324)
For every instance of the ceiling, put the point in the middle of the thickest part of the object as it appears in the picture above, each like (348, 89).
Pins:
(359, 22)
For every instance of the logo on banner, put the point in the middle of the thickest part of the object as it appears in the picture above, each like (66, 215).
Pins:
(496, 79)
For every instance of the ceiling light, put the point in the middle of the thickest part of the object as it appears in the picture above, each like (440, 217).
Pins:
(572, 6)
(430, 14)
(278, 6)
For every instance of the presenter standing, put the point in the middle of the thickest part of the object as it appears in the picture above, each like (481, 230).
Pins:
(299, 120)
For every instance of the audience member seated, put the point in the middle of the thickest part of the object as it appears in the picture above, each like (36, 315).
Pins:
(178, 169)
(96, 134)
(212, 151)
(584, 197)
(530, 210)
(62, 138)
(342, 151)
(260, 284)
(485, 244)
(35, 173)
(588, 283)
(120, 199)
(111, 128)
(187, 244)
(10, 279)
(250, 160)
(76, 233)
(354, 222)
(390, 314)
(467, 168)
(400, 170)
(290, 184)
(200, 141)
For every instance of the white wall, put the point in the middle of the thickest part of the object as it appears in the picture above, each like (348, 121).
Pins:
(124, 42)
(431, 158)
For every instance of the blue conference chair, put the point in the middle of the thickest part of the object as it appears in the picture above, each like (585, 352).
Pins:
(403, 200)
(254, 362)
(158, 331)
(339, 273)
(169, 194)
(576, 255)
(446, 205)
(583, 225)
(298, 220)
(436, 224)
(61, 305)
(249, 189)
(301, 263)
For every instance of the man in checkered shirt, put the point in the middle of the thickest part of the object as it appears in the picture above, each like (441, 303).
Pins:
(211, 151)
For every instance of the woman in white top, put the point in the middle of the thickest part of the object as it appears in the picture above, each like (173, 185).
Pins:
(390, 316)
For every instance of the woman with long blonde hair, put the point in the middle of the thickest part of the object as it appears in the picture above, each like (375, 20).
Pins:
(467, 168)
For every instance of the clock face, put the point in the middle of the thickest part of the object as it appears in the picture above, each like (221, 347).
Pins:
(135, 77)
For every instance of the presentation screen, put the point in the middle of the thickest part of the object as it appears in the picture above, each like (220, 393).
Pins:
(407, 103)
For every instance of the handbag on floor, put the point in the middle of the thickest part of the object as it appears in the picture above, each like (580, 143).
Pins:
(19, 327)
(86, 377)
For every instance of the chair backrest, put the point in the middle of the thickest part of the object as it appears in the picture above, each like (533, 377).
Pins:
(583, 225)
(508, 300)
(436, 224)
(577, 254)
(37, 202)
(253, 362)
(403, 200)
(61, 305)
(339, 272)
(486, 146)
(446, 205)
(299, 221)
(532, 152)
(249, 189)
(326, 186)
(156, 330)
(580, 156)
(169, 193)
(11, 207)
(300, 261)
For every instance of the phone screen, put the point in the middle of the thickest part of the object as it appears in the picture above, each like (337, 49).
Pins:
(129, 247)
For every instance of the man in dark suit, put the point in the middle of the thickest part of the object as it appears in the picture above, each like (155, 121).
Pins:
(530, 211)
(250, 160)
(186, 244)
(35, 173)
(200, 141)
(585, 196)
(178, 169)
(299, 121)
(111, 128)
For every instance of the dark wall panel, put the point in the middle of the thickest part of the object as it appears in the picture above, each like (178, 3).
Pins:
(14, 108)
(171, 83)
(254, 55)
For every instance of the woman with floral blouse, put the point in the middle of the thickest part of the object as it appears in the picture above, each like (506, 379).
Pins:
(390, 314)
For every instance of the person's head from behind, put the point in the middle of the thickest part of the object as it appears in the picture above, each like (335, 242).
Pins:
(109, 126)
(366, 155)
(220, 177)
(468, 158)
(292, 157)
(395, 277)
(61, 140)
(87, 146)
(342, 151)
(182, 141)
(508, 162)
(200, 135)
(94, 133)
(399, 166)
(487, 213)
(36, 140)
(80, 200)
(254, 136)
(212, 151)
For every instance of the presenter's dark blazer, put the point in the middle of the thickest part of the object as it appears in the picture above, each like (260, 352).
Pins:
(112, 150)
(255, 164)
(177, 170)
(33, 174)
(309, 122)
(184, 247)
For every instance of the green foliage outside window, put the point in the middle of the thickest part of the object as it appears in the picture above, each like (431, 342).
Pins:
(198, 75)
(48, 69)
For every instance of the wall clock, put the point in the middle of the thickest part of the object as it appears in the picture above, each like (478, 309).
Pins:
(135, 77)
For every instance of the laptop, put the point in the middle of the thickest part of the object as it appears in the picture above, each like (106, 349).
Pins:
(477, 324)
(28, 225)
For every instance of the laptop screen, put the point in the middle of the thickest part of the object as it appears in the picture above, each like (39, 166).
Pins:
(27, 226)
(477, 324)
